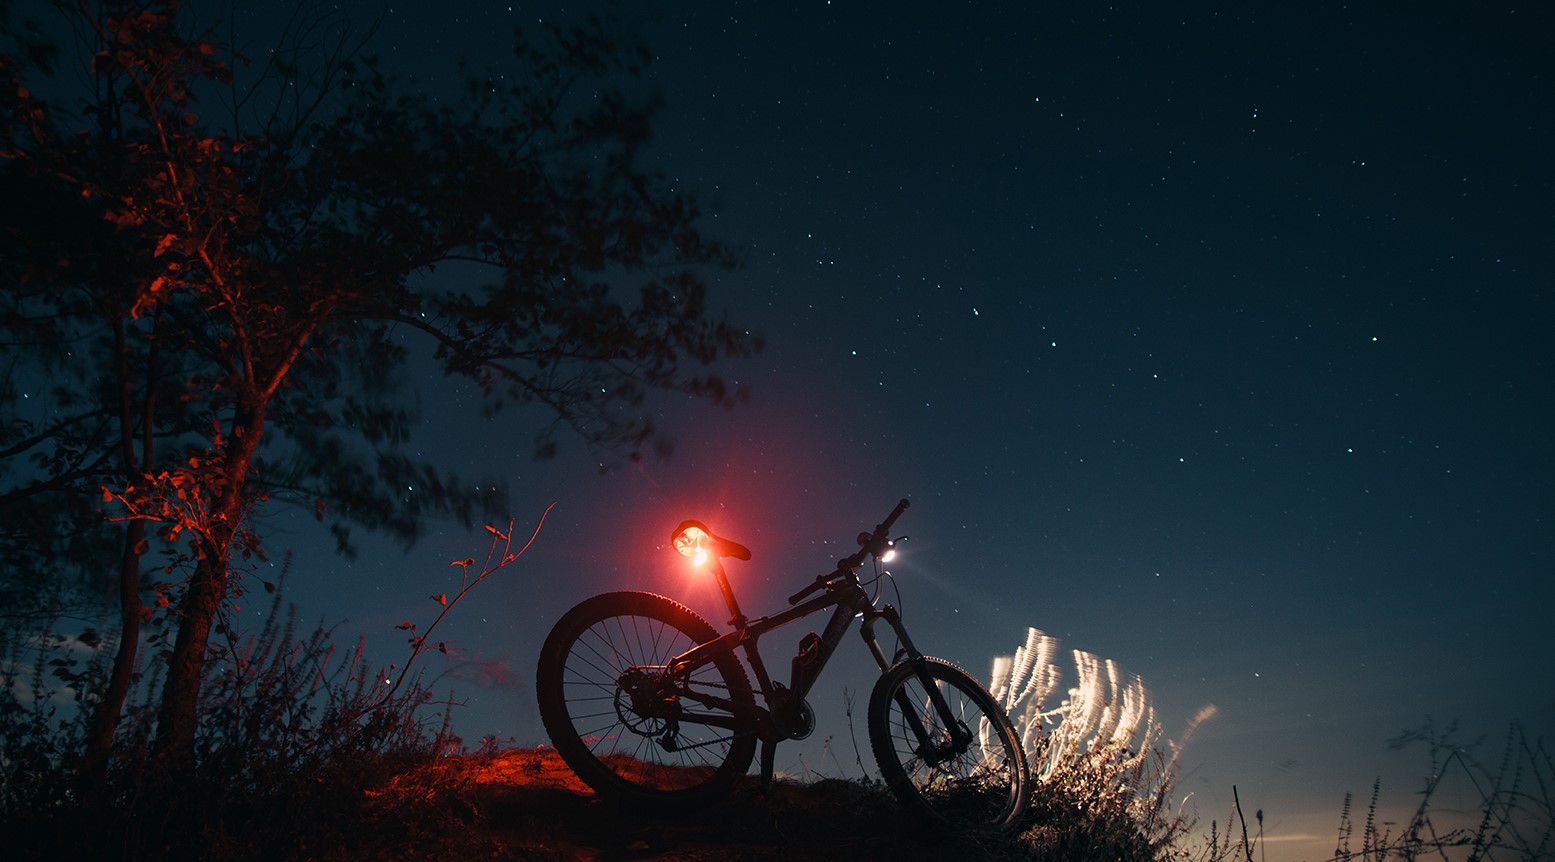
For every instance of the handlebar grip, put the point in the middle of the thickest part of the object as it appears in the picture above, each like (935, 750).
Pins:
(815, 585)
(891, 518)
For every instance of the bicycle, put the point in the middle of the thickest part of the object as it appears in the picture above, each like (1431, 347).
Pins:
(649, 704)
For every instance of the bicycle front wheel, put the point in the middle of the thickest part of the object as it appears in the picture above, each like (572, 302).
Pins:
(945, 746)
(628, 728)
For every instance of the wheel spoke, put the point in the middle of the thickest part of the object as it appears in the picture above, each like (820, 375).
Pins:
(619, 722)
(970, 770)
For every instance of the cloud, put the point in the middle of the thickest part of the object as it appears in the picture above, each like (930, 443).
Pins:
(490, 674)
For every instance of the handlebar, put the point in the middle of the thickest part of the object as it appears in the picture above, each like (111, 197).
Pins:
(820, 581)
(885, 526)
(873, 544)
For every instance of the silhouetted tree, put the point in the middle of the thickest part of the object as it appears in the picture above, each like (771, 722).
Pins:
(211, 310)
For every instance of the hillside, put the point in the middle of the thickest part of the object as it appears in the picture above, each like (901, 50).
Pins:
(526, 804)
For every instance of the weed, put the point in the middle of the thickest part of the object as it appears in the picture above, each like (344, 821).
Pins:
(295, 735)
(1513, 817)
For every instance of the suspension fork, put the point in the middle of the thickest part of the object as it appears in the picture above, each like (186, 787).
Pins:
(959, 736)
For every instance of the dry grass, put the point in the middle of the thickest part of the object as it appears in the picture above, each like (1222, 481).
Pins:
(1106, 775)
(1512, 815)
(298, 759)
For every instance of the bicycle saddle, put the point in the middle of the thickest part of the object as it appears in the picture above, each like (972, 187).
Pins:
(693, 536)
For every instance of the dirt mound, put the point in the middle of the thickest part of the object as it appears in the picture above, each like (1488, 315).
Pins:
(526, 804)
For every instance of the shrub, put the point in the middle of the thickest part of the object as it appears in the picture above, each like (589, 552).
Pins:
(1103, 772)
(291, 732)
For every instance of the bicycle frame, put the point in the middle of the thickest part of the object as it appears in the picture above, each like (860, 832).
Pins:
(648, 703)
(784, 716)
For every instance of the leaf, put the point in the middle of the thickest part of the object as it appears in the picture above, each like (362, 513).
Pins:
(406, 626)
(441, 598)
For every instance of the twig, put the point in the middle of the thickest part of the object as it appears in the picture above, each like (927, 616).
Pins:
(419, 642)
(1237, 802)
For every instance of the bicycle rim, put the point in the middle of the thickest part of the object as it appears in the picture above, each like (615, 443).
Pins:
(971, 772)
(620, 724)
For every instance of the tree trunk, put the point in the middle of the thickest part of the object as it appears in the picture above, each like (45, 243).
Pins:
(105, 719)
(179, 712)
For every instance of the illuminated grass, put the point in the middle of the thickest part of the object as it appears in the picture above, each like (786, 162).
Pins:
(282, 777)
(1105, 778)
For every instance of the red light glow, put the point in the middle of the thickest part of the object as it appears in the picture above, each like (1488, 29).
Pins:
(689, 542)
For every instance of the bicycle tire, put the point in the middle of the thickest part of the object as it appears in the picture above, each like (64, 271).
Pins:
(981, 785)
(615, 742)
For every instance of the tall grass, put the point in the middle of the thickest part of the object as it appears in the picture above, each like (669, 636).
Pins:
(295, 736)
(299, 738)
(1102, 768)
(45, 683)
(1105, 774)
(293, 731)
(1509, 815)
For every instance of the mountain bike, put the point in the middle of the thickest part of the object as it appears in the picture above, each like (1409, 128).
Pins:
(649, 704)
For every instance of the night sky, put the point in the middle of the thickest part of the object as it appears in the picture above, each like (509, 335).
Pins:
(1212, 341)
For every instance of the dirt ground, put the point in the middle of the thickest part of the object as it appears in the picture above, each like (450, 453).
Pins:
(527, 804)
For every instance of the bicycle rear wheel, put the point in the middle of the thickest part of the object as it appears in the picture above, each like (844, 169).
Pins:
(626, 728)
(969, 772)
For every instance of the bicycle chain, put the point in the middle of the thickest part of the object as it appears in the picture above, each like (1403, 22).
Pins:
(732, 736)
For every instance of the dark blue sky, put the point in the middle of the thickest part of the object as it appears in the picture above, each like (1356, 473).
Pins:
(1209, 340)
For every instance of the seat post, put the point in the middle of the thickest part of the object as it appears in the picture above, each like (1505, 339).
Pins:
(737, 618)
